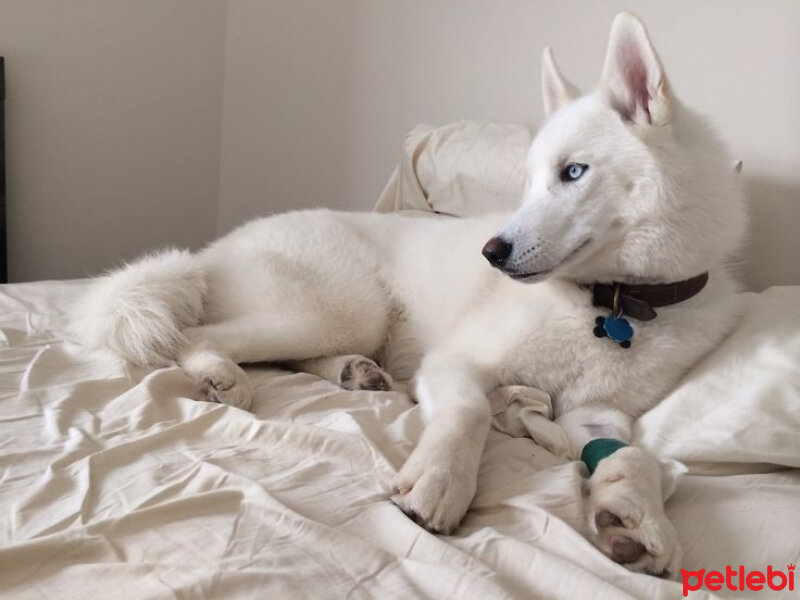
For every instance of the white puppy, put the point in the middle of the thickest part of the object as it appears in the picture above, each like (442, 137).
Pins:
(625, 186)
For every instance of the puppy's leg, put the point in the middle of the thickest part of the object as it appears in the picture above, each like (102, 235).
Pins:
(287, 334)
(218, 377)
(352, 372)
(438, 481)
(625, 507)
(212, 352)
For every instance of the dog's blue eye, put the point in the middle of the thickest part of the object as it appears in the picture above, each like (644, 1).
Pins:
(573, 172)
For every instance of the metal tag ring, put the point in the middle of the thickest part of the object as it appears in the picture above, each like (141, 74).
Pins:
(616, 311)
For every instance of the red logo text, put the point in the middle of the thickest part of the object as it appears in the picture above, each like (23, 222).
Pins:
(738, 579)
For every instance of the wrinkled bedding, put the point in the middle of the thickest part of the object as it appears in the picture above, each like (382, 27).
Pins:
(116, 482)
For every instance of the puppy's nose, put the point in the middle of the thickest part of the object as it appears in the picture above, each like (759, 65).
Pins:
(497, 251)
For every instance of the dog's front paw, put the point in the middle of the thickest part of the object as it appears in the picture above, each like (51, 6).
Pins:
(627, 516)
(435, 494)
(227, 383)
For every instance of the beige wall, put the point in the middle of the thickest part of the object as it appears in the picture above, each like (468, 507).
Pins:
(318, 95)
(113, 114)
(288, 124)
(120, 140)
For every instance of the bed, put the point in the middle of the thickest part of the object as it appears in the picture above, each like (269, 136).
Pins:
(117, 482)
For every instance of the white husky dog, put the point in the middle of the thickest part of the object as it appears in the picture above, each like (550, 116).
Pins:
(626, 186)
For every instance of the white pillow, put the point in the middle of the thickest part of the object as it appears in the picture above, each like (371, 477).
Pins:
(741, 404)
(463, 169)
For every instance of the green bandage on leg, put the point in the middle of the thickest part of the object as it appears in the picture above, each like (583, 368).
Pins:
(598, 449)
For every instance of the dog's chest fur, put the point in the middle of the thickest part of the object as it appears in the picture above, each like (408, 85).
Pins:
(560, 354)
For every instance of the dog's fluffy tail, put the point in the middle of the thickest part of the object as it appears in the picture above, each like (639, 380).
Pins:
(139, 310)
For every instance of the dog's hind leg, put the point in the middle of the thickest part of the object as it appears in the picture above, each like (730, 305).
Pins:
(291, 335)
(352, 371)
(213, 352)
(627, 490)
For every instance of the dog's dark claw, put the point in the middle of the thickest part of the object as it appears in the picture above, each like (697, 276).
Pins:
(414, 516)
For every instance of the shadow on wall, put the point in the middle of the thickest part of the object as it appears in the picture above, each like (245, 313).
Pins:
(773, 253)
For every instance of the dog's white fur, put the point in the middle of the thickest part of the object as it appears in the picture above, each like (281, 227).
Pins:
(659, 203)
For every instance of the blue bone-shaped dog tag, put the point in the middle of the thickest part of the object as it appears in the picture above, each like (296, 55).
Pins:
(616, 328)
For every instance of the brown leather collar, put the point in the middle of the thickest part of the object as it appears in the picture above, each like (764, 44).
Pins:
(637, 301)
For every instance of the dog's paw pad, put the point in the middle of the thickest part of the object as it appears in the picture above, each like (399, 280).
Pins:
(364, 374)
(625, 550)
(647, 545)
(628, 520)
(606, 518)
(228, 385)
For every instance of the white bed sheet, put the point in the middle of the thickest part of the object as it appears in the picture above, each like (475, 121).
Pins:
(116, 483)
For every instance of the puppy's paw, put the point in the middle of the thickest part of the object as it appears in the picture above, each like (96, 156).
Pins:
(627, 516)
(361, 373)
(436, 495)
(649, 545)
(227, 383)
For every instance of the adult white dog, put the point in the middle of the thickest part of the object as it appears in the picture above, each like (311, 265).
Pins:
(631, 204)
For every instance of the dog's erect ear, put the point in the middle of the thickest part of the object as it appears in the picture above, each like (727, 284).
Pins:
(633, 76)
(556, 90)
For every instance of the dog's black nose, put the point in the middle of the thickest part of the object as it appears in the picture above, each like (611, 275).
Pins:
(497, 251)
